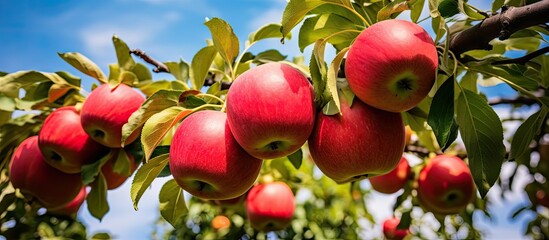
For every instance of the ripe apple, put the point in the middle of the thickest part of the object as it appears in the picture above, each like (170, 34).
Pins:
(270, 206)
(64, 143)
(542, 198)
(361, 142)
(35, 178)
(394, 180)
(106, 110)
(71, 209)
(445, 185)
(271, 110)
(206, 160)
(114, 180)
(220, 222)
(392, 65)
(390, 230)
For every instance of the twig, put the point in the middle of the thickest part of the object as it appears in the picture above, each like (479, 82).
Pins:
(518, 100)
(524, 59)
(159, 67)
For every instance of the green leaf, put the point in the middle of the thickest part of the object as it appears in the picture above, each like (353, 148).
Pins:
(318, 76)
(526, 132)
(172, 202)
(267, 31)
(271, 55)
(416, 9)
(441, 113)
(126, 77)
(158, 125)
(97, 198)
(150, 87)
(333, 70)
(7, 103)
(497, 4)
(448, 8)
(125, 60)
(470, 11)
(324, 25)
(180, 70)
(11, 83)
(296, 158)
(84, 65)
(482, 134)
(157, 102)
(122, 165)
(394, 7)
(141, 72)
(145, 176)
(89, 171)
(201, 65)
(224, 39)
(101, 236)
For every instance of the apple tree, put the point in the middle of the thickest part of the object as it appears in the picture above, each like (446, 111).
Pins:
(259, 144)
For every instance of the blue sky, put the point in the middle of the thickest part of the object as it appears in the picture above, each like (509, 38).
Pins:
(32, 32)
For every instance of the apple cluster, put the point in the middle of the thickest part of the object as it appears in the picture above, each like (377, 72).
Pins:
(47, 167)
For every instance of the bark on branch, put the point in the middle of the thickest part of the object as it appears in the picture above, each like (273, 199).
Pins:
(501, 26)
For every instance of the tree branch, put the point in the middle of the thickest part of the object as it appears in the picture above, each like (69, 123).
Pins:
(159, 67)
(501, 25)
(524, 59)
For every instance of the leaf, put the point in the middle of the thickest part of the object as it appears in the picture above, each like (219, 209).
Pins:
(526, 132)
(172, 202)
(179, 70)
(497, 4)
(296, 10)
(296, 158)
(224, 39)
(7, 103)
(89, 171)
(267, 31)
(141, 72)
(319, 81)
(470, 12)
(150, 87)
(448, 8)
(482, 134)
(271, 55)
(122, 165)
(84, 65)
(332, 78)
(201, 65)
(11, 83)
(441, 113)
(158, 125)
(393, 7)
(97, 198)
(145, 175)
(324, 25)
(126, 77)
(157, 102)
(125, 60)
(416, 9)
(101, 236)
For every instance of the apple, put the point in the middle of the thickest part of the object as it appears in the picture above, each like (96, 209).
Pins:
(394, 180)
(408, 131)
(35, 178)
(232, 202)
(115, 180)
(64, 143)
(542, 198)
(392, 65)
(390, 230)
(445, 185)
(360, 142)
(106, 110)
(220, 222)
(206, 160)
(71, 209)
(271, 111)
(270, 206)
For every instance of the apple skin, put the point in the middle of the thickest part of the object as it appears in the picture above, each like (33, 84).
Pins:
(71, 209)
(206, 160)
(106, 110)
(270, 206)
(394, 180)
(64, 143)
(392, 65)
(361, 142)
(33, 176)
(271, 110)
(390, 230)
(408, 131)
(220, 222)
(445, 185)
(115, 180)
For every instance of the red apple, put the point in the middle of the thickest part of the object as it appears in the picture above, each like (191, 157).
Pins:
(392, 65)
(35, 178)
(207, 162)
(361, 142)
(445, 185)
(271, 110)
(390, 230)
(394, 180)
(220, 222)
(71, 209)
(114, 180)
(270, 206)
(106, 110)
(542, 198)
(64, 143)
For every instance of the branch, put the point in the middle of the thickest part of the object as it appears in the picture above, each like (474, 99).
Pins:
(159, 67)
(524, 59)
(501, 25)
(524, 100)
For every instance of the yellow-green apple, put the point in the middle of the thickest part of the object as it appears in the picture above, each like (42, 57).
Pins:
(445, 185)
(64, 143)
(394, 180)
(35, 178)
(392, 65)
(70, 209)
(270, 206)
(220, 222)
(271, 110)
(114, 180)
(360, 142)
(106, 110)
(390, 230)
(206, 160)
